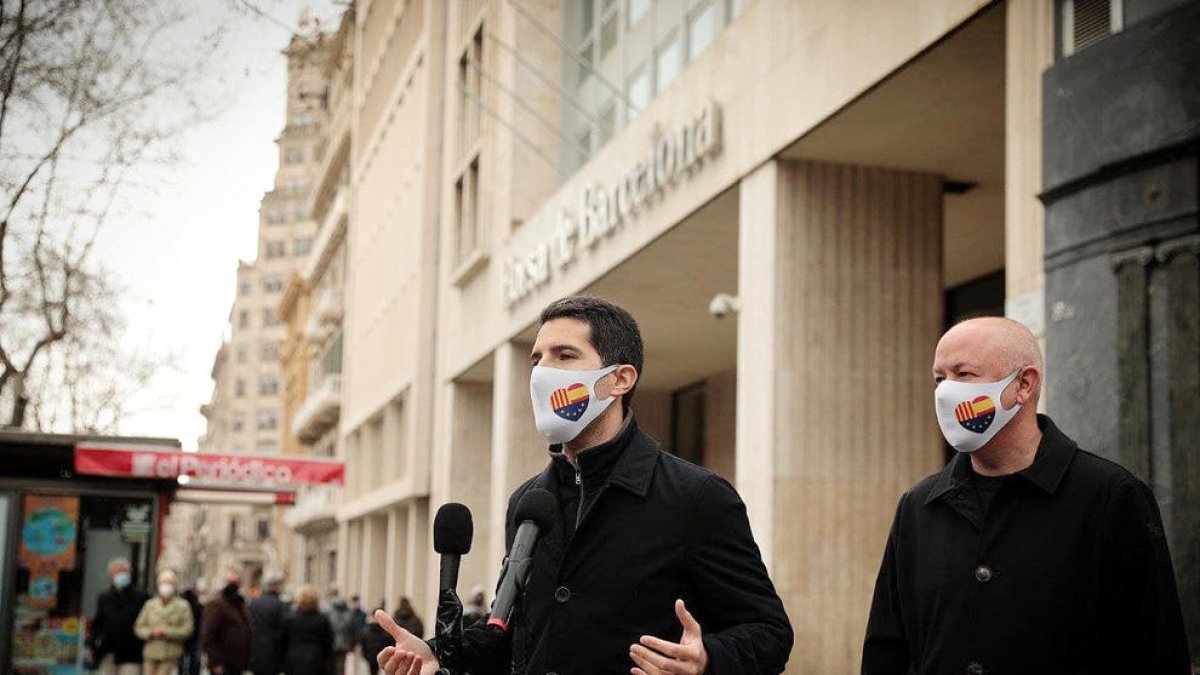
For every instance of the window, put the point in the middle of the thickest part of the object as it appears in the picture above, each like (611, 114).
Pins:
(301, 212)
(268, 420)
(701, 30)
(470, 93)
(233, 531)
(294, 154)
(246, 287)
(244, 319)
(331, 567)
(466, 192)
(264, 529)
(242, 353)
(638, 93)
(272, 283)
(668, 62)
(268, 385)
(276, 249)
(239, 388)
(302, 246)
(687, 423)
(270, 350)
(269, 318)
(637, 10)
(239, 421)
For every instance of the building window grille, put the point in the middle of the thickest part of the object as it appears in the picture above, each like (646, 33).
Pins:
(1086, 22)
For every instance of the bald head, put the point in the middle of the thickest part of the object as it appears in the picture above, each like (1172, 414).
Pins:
(986, 350)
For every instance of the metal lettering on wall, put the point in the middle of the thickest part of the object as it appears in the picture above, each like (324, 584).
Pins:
(603, 210)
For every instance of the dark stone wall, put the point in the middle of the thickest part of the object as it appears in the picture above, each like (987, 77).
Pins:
(1121, 172)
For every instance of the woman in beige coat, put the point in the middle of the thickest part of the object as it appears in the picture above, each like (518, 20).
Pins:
(165, 623)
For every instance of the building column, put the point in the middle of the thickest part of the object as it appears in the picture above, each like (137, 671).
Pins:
(1029, 50)
(840, 285)
(518, 451)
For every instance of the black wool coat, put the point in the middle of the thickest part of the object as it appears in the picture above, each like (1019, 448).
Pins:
(1066, 573)
(652, 528)
(225, 632)
(309, 644)
(267, 615)
(112, 627)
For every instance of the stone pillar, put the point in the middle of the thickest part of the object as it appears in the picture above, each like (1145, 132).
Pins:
(1029, 50)
(470, 473)
(1122, 195)
(840, 283)
(518, 451)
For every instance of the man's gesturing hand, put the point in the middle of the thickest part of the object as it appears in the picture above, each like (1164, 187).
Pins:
(654, 656)
(410, 656)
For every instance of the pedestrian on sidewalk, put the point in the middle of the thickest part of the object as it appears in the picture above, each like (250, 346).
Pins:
(309, 638)
(226, 632)
(267, 615)
(165, 623)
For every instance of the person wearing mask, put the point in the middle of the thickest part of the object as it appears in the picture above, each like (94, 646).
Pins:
(308, 638)
(267, 615)
(406, 617)
(189, 663)
(372, 641)
(165, 623)
(1026, 554)
(115, 646)
(225, 632)
(651, 566)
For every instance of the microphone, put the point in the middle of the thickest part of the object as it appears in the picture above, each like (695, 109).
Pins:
(536, 513)
(452, 534)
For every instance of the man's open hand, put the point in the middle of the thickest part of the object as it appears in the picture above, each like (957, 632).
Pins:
(410, 656)
(659, 657)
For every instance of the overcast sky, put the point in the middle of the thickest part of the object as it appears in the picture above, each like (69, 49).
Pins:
(176, 246)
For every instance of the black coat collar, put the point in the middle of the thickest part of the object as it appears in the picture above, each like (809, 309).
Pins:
(1054, 455)
(633, 469)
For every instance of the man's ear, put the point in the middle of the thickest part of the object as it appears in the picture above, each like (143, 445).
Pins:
(624, 379)
(1029, 383)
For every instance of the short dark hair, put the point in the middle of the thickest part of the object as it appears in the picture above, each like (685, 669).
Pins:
(614, 331)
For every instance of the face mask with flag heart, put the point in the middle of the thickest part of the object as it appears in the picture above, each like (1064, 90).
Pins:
(970, 413)
(564, 401)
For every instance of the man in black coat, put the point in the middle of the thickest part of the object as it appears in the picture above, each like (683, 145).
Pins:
(651, 567)
(115, 647)
(267, 615)
(1026, 554)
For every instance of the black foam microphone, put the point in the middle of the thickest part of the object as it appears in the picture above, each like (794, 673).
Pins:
(535, 514)
(452, 534)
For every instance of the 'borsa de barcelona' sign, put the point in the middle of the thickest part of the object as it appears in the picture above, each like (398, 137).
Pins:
(604, 209)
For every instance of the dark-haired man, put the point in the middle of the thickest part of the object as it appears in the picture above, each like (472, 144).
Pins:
(651, 567)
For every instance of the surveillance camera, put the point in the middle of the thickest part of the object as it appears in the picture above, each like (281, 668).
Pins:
(723, 304)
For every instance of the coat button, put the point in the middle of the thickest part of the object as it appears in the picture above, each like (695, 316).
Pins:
(974, 669)
(562, 594)
(983, 574)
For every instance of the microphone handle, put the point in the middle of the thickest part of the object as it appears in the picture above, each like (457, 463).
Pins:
(449, 630)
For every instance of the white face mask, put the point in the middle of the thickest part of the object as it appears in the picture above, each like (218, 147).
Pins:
(166, 590)
(564, 401)
(970, 413)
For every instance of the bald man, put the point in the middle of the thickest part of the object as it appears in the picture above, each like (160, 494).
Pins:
(1026, 554)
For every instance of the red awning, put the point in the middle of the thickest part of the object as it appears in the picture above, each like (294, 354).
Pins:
(260, 471)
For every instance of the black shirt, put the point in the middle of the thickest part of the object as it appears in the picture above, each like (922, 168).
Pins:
(986, 488)
(1067, 572)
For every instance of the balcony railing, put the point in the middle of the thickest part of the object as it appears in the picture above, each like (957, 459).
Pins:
(314, 504)
(320, 411)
